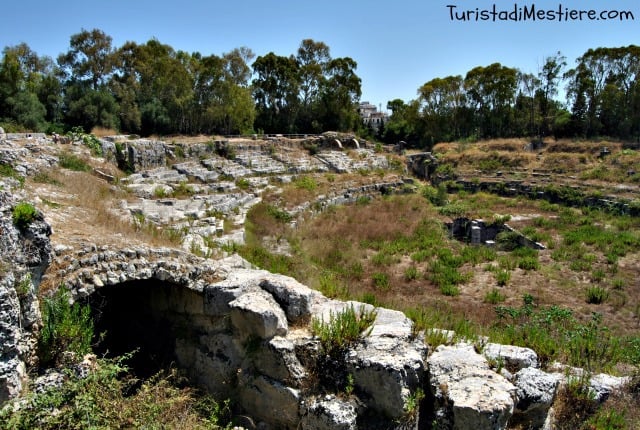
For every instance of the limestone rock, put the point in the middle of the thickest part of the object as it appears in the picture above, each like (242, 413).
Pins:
(514, 358)
(329, 413)
(258, 314)
(536, 391)
(294, 297)
(467, 393)
(277, 360)
(389, 364)
(270, 401)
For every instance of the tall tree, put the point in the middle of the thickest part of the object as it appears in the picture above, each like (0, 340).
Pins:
(275, 89)
(341, 95)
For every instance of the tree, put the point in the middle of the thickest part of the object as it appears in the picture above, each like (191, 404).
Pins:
(24, 78)
(441, 100)
(549, 78)
(90, 58)
(340, 95)
(492, 92)
(275, 90)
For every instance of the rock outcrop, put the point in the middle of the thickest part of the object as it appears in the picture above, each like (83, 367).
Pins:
(24, 255)
(243, 333)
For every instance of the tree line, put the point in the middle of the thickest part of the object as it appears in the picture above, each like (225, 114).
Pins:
(602, 98)
(151, 88)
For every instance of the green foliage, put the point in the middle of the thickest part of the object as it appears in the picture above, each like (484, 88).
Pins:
(71, 161)
(279, 215)
(529, 263)
(107, 399)
(555, 334)
(23, 214)
(343, 329)
(92, 142)
(381, 281)
(412, 403)
(494, 297)
(8, 171)
(437, 196)
(331, 286)
(411, 273)
(65, 327)
(306, 183)
(243, 183)
(503, 277)
(596, 295)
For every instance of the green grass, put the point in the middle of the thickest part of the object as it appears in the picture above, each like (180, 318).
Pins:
(343, 329)
(70, 161)
(107, 399)
(23, 214)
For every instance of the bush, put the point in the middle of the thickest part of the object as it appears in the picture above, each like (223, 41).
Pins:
(494, 297)
(343, 329)
(73, 162)
(597, 295)
(105, 399)
(23, 214)
(65, 327)
(529, 263)
(381, 281)
(503, 277)
(411, 273)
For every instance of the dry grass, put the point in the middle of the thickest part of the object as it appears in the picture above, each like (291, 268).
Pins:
(592, 148)
(510, 145)
(103, 132)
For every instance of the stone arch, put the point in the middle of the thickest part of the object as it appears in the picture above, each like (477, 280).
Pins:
(154, 318)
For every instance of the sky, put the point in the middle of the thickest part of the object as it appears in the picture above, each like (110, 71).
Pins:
(398, 45)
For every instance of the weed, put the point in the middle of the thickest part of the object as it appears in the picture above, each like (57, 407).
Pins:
(494, 297)
(412, 403)
(381, 281)
(596, 295)
(71, 161)
(502, 277)
(23, 214)
(343, 329)
(529, 263)
(411, 273)
(8, 171)
(65, 327)
(306, 183)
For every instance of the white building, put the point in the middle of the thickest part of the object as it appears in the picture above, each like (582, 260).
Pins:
(370, 115)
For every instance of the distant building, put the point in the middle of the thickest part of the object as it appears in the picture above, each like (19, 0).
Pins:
(370, 115)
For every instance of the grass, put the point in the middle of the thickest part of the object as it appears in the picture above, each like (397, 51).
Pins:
(70, 161)
(343, 329)
(106, 399)
(23, 214)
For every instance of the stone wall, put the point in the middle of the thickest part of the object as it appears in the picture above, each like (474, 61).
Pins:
(24, 255)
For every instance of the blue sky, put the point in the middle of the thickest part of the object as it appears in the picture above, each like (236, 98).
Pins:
(398, 45)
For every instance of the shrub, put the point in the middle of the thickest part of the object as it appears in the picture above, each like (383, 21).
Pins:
(65, 327)
(381, 281)
(8, 171)
(494, 297)
(449, 290)
(23, 214)
(411, 273)
(343, 329)
(71, 161)
(503, 277)
(597, 295)
(306, 183)
(105, 399)
(529, 263)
